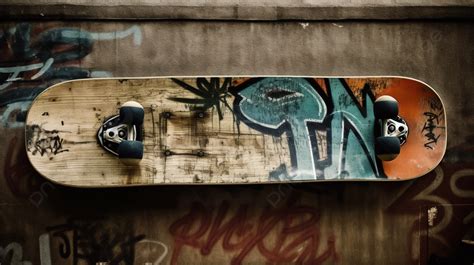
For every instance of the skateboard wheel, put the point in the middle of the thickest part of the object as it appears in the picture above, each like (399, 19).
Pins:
(387, 148)
(386, 107)
(130, 152)
(132, 113)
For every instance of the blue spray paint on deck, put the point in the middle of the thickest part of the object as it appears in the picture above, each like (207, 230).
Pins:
(286, 103)
(352, 134)
(299, 107)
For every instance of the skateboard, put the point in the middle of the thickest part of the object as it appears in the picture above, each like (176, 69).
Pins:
(235, 130)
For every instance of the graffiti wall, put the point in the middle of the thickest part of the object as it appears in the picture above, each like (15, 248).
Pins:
(424, 221)
(35, 56)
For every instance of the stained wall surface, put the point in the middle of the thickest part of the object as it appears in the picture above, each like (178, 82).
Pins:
(411, 222)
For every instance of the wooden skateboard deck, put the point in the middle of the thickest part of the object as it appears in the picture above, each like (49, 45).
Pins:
(233, 130)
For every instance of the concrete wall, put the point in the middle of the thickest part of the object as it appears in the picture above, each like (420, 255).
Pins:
(411, 222)
(238, 10)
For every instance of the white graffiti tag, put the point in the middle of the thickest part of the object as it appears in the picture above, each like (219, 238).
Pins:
(16, 252)
(15, 71)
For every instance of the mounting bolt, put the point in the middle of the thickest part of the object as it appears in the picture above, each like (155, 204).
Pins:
(167, 114)
(168, 153)
(201, 114)
(200, 153)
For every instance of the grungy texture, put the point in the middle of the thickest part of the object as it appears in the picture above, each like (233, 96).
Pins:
(413, 222)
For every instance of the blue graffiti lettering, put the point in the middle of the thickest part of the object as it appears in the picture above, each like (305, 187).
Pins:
(299, 108)
(352, 134)
(286, 104)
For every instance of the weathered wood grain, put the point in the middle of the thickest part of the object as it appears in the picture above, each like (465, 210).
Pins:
(77, 109)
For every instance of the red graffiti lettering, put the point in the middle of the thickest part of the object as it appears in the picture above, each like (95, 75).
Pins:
(290, 234)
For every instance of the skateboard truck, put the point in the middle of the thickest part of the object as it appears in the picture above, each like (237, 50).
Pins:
(391, 129)
(396, 127)
(121, 134)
